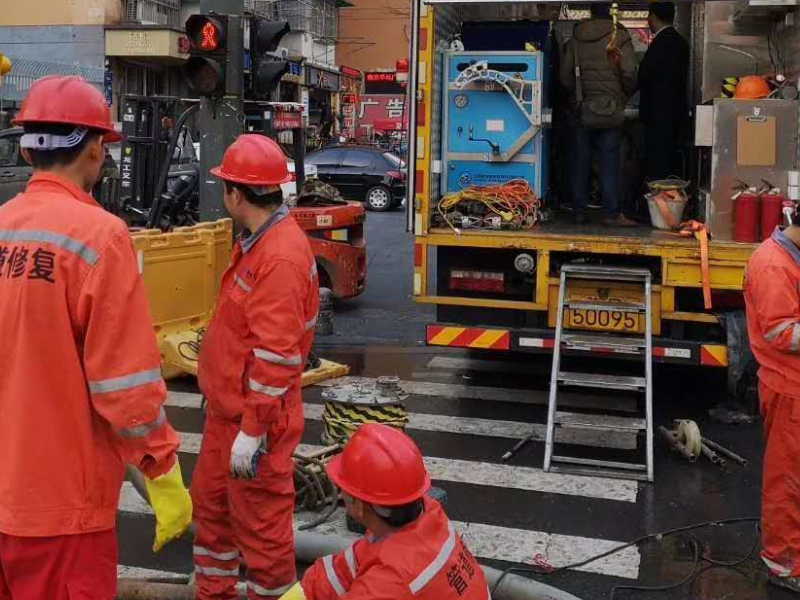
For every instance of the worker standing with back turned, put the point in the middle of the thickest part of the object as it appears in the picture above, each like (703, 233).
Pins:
(411, 549)
(663, 76)
(772, 294)
(250, 371)
(81, 391)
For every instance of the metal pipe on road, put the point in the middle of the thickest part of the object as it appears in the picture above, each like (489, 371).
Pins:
(311, 546)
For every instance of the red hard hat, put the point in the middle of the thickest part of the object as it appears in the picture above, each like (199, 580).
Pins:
(254, 159)
(380, 465)
(67, 100)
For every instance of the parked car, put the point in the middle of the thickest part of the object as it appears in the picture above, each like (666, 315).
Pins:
(14, 171)
(365, 173)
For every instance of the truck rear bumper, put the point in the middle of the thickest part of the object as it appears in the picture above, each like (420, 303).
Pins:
(540, 341)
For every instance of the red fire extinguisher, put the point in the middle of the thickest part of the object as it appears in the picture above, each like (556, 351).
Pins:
(746, 213)
(771, 206)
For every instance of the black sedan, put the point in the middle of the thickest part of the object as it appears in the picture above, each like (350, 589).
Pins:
(364, 173)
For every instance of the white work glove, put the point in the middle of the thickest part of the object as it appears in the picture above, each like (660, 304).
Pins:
(245, 454)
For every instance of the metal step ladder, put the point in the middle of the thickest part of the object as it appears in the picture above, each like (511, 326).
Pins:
(640, 346)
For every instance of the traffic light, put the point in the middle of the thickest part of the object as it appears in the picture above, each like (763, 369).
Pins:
(266, 68)
(215, 55)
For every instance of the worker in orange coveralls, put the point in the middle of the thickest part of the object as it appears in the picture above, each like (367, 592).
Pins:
(81, 391)
(250, 371)
(411, 549)
(772, 293)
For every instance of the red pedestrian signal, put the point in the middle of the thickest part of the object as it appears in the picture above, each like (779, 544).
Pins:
(209, 37)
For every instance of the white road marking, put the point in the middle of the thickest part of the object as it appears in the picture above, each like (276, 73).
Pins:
(485, 541)
(511, 430)
(127, 572)
(487, 366)
(497, 475)
(184, 399)
(497, 394)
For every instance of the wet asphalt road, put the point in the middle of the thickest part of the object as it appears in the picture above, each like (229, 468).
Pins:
(380, 334)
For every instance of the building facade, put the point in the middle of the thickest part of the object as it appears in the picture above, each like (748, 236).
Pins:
(374, 34)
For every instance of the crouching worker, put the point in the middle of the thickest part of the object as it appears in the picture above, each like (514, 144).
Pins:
(411, 549)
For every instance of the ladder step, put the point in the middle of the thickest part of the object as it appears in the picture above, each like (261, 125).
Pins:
(594, 271)
(593, 462)
(609, 306)
(596, 341)
(601, 472)
(599, 422)
(602, 380)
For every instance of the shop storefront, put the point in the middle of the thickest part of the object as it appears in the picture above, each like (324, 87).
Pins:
(352, 88)
(321, 99)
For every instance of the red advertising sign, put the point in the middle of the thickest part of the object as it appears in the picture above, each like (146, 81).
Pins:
(380, 77)
(380, 111)
(283, 119)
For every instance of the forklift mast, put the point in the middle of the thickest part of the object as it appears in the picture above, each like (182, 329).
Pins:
(146, 125)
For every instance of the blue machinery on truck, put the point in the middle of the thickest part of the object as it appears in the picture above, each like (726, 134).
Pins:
(490, 137)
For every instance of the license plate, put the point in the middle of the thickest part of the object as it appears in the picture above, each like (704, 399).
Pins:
(603, 320)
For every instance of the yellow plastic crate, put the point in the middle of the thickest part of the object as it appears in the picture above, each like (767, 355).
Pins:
(182, 271)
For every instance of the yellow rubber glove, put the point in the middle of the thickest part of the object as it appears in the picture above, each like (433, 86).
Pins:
(172, 504)
(295, 593)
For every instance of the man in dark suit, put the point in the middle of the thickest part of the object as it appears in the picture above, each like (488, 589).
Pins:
(663, 77)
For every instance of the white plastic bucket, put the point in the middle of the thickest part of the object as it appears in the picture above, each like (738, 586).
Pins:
(673, 207)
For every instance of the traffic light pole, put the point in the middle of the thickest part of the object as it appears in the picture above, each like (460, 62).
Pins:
(220, 119)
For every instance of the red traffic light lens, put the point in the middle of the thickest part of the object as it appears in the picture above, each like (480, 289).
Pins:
(209, 37)
(206, 34)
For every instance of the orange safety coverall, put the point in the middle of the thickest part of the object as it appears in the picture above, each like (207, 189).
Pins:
(250, 371)
(426, 560)
(772, 294)
(80, 385)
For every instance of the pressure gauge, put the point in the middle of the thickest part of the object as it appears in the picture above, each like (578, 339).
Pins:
(461, 100)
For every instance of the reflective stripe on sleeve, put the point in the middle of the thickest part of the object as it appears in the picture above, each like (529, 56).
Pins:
(350, 559)
(262, 591)
(223, 556)
(778, 569)
(267, 389)
(314, 271)
(773, 333)
(289, 361)
(436, 564)
(312, 323)
(126, 382)
(794, 346)
(333, 578)
(69, 244)
(215, 572)
(242, 284)
(143, 430)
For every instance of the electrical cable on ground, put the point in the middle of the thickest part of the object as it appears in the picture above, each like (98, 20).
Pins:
(684, 529)
(315, 490)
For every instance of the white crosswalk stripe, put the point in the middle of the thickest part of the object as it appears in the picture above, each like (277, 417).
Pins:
(497, 475)
(485, 541)
(468, 425)
(497, 394)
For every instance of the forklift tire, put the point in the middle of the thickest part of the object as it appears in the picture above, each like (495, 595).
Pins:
(378, 198)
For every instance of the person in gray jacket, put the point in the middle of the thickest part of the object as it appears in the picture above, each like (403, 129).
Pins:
(598, 71)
